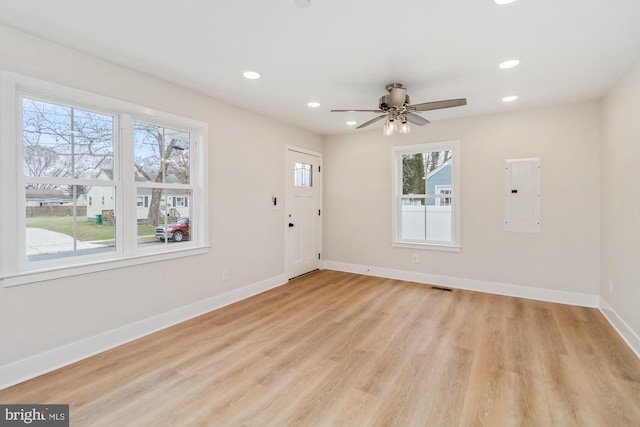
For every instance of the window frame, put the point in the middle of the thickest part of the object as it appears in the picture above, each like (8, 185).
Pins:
(15, 269)
(397, 196)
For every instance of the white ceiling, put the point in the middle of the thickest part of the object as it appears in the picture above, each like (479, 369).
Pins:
(342, 53)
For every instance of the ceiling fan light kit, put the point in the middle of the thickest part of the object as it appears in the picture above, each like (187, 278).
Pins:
(392, 126)
(399, 112)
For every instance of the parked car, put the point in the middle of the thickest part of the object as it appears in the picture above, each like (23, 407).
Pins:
(176, 231)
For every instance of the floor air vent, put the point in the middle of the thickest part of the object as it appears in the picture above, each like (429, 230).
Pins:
(442, 288)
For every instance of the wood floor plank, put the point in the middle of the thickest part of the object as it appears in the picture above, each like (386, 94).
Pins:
(338, 349)
(354, 408)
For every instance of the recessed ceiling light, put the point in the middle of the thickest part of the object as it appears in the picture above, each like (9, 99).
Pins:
(313, 104)
(504, 1)
(509, 64)
(510, 98)
(251, 75)
(302, 3)
(352, 123)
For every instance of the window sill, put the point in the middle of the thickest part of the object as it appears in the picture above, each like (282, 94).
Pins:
(33, 276)
(427, 246)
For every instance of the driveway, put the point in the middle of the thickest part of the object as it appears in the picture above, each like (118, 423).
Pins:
(41, 242)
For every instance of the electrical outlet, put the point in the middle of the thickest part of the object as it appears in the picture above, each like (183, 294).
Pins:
(225, 274)
(611, 286)
(415, 258)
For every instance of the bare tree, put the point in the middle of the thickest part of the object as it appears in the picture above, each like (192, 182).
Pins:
(159, 157)
(436, 158)
(43, 161)
(79, 190)
(60, 141)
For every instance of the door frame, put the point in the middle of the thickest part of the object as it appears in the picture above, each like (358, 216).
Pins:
(285, 220)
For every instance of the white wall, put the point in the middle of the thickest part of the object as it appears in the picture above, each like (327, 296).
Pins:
(246, 163)
(621, 205)
(563, 257)
(245, 166)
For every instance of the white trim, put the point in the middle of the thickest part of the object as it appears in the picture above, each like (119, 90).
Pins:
(396, 193)
(57, 92)
(8, 151)
(622, 328)
(14, 267)
(47, 272)
(427, 246)
(550, 295)
(48, 361)
(319, 182)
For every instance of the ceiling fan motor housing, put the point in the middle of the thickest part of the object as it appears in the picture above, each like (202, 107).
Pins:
(397, 98)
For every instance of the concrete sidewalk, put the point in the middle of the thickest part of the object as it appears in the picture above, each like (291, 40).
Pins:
(41, 242)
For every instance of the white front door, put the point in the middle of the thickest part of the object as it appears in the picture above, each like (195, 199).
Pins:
(302, 212)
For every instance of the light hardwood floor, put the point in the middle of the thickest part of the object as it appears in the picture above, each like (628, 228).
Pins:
(332, 349)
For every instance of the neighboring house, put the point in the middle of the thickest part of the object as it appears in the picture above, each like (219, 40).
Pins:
(439, 182)
(46, 197)
(99, 199)
(51, 203)
(174, 203)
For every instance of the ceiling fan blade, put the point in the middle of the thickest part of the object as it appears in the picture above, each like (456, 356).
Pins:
(357, 111)
(372, 121)
(416, 119)
(437, 105)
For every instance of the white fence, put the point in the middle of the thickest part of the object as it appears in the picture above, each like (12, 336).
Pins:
(422, 222)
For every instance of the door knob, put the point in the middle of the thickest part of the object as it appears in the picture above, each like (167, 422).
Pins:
(290, 224)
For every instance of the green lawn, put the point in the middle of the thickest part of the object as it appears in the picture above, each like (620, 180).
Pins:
(87, 230)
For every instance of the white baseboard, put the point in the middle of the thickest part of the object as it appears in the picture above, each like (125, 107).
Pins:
(572, 298)
(550, 295)
(48, 361)
(624, 330)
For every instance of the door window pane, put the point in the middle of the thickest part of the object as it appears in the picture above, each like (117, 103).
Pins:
(303, 175)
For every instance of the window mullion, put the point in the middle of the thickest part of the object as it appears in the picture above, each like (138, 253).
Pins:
(84, 156)
(127, 225)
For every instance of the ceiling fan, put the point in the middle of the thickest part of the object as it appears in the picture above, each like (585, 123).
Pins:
(399, 112)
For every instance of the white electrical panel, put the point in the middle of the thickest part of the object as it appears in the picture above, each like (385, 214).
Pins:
(522, 195)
